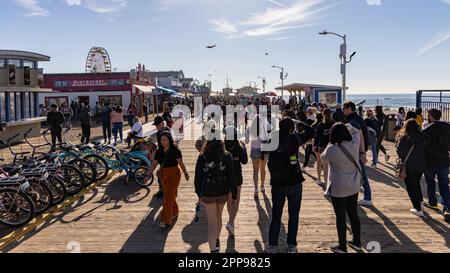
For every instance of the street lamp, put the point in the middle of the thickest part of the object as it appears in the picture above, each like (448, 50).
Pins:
(282, 77)
(264, 82)
(344, 60)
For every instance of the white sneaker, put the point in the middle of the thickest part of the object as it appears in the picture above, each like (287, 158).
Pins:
(417, 213)
(230, 229)
(422, 206)
(387, 157)
(365, 203)
(373, 166)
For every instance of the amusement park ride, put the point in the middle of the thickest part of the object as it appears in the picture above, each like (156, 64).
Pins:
(98, 61)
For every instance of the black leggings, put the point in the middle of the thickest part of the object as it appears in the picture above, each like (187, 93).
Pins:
(308, 153)
(412, 182)
(380, 145)
(343, 207)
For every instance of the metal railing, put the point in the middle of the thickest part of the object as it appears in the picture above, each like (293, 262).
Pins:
(435, 99)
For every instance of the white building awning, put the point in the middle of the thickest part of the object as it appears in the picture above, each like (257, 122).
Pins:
(146, 89)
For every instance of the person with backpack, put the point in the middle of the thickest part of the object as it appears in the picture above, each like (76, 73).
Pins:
(321, 140)
(215, 180)
(239, 153)
(106, 123)
(372, 135)
(286, 179)
(437, 155)
(345, 181)
(169, 157)
(411, 151)
(358, 122)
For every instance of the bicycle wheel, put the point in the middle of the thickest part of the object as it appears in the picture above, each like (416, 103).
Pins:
(143, 177)
(101, 165)
(58, 189)
(41, 195)
(87, 168)
(134, 162)
(73, 179)
(16, 208)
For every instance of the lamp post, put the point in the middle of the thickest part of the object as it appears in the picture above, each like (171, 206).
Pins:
(282, 77)
(344, 60)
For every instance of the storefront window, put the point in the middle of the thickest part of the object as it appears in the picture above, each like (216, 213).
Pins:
(56, 100)
(26, 75)
(329, 98)
(2, 63)
(12, 74)
(112, 100)
(30, 64)
(17, 63)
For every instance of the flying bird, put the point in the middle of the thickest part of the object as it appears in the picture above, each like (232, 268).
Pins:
(211, 46)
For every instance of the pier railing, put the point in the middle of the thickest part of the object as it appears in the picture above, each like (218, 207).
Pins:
(437, 99)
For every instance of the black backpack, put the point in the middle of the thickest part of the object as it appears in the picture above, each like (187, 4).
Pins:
(214, 178)
(283, 165)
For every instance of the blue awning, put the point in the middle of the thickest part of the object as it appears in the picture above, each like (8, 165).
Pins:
(167, 91)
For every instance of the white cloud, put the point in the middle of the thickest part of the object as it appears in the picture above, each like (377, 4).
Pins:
(273, 21)
(223, 26)
(438, 39)
(32, 7)
(278, 3)
(446, 1)
(100, 6)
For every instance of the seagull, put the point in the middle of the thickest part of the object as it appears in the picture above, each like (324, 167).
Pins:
(211, 46)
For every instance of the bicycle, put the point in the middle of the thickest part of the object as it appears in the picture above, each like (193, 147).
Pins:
(16, 207)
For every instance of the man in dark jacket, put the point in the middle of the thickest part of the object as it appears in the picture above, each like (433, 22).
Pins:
(106, 123)
(85, 120)
(437, 155)
(358, 122)
(55, 120)
(286, 181)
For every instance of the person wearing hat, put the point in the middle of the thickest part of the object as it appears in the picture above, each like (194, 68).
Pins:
(55, 120)
(161, 128)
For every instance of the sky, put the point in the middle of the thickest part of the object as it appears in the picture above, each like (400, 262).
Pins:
(401, 45)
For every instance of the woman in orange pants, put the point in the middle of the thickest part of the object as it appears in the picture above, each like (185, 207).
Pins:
(169, 157)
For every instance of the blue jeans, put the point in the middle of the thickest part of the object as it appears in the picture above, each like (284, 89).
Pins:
(117, 130)
(443, 182)
(366, 185)
(374, 153)
(294, 197)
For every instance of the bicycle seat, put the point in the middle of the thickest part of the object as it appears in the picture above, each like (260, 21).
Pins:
(12, 169)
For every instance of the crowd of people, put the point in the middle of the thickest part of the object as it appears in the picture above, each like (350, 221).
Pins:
(339, 138)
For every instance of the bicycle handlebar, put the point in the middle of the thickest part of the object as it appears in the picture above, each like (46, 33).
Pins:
(13, 137)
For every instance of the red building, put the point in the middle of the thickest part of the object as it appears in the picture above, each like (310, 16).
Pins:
(117, 88)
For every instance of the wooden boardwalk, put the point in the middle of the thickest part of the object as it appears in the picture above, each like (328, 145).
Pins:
(124, 218)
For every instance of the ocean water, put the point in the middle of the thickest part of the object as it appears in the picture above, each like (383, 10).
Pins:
(407, 100)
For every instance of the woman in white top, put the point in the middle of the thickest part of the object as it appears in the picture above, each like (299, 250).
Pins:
(259, 133)
(137, 131)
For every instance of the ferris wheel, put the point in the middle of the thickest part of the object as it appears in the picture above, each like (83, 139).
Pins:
(98, 61)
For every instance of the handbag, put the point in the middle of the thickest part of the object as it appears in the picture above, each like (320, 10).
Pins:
(400, 167)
